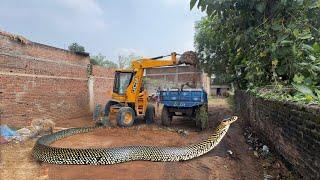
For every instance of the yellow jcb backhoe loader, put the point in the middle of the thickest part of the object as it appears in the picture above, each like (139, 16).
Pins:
(129, 98)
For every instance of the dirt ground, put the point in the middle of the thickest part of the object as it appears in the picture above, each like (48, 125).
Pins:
(17, 163)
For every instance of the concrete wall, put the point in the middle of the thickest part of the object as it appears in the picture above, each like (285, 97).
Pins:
(102, 81)
(37, 80)
(292, 130)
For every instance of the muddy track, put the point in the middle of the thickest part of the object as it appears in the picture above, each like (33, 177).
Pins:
(217, 164)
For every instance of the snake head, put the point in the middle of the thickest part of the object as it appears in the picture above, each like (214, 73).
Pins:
(230, 120)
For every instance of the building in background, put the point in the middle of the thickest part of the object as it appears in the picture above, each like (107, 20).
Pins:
(219, 87)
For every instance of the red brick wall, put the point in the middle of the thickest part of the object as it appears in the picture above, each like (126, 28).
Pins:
(292, 130)
(175, 74)
(41, 81)
(102, 84)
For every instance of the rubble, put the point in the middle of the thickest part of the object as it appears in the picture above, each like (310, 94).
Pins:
(3, 140)
(259, 149)
(267, 176)
(255, 153)
(265, 150)
(183, 132)
(25, 133)
(38, 127)
(8, 134)
(41, 126)
(263, 153)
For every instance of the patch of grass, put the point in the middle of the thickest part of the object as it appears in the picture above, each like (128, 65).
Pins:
(281, 93)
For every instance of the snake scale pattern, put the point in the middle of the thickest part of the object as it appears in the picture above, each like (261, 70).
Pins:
(42, 150)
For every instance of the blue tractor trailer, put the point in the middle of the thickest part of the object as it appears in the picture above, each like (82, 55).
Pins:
(191, 103)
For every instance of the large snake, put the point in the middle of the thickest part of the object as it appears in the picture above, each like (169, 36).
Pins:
(42, 150)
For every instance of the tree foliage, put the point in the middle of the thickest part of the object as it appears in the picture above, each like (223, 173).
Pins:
(75, 47)
(101, 60)
(124, 60)
(260, 42)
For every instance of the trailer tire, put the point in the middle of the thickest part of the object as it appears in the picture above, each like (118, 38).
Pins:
(150, 113)
(125, 117)
(166, 118)
(202, 117)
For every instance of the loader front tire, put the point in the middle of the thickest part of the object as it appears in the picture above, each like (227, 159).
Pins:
(125, 117)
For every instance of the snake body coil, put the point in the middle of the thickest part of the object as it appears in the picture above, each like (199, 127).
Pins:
(42, 150)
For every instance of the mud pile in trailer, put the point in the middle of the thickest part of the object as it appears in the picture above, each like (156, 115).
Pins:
(189, 57)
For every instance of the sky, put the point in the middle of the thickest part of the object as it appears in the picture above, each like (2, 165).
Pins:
(114, 27)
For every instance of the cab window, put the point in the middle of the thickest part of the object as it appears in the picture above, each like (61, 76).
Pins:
(121, 82)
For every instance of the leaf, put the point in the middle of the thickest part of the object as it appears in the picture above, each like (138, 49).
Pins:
(203, 7)
(200, 3)
(237, 39)
(300, 2)
(303, 89)
(285, 42)
(307, 81)
(210, 10)
(309, 98)
(260, 7)
(282, 37)
(296, 33)
(276, 27)
(305, 36)
(263, 54)
(317, 92)
(316, 47)
(281, 70)
(307, 47)
(312, 57)
(192, 3)
(304, 64)
(284, 2)
(298, 78)
(316, 68)
(294, 49)
(275, 62)
(273, 48)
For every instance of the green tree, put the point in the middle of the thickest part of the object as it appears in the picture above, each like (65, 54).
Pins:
(75, 47)
(259, 42)
(101, 60)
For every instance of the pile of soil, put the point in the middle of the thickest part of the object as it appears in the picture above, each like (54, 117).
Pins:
(189, 57)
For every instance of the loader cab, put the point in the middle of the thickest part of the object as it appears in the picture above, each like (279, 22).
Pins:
(121, 81)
